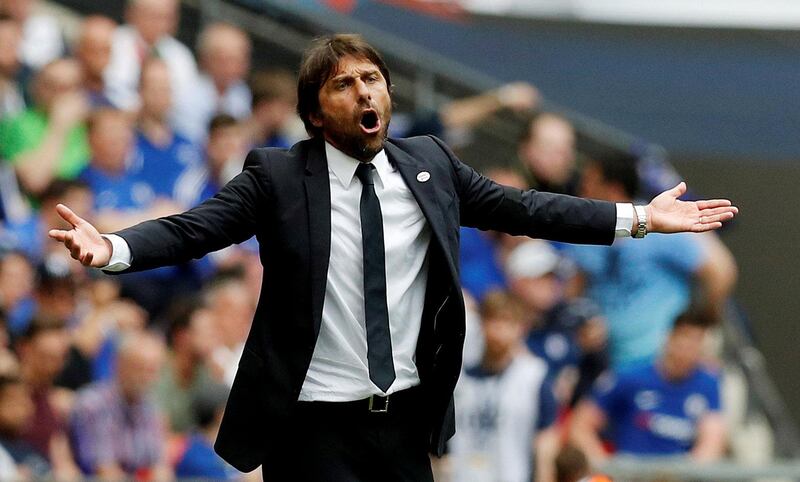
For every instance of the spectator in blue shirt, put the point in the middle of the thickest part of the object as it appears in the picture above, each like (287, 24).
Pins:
(165, 160)
(199, 461)
(641, 289)
(274, 99)
(667, 408)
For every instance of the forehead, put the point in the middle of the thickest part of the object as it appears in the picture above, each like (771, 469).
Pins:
(350, 65)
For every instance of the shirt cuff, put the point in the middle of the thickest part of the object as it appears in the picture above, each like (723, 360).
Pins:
(120, 254)
(625, 216)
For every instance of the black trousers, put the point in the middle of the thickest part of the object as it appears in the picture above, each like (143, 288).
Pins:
(345, 442)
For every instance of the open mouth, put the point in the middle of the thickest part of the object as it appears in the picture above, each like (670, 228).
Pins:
(370, 122)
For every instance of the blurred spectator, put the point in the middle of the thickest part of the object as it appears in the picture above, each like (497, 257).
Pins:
(506, 409)
(232, 308)
(148, 33)
(274, 101)
(48, 140)
(453, 120)
(9, 365)
(42, 351)
(16, 291)
(191, 337)
(225, 153)
(482, 253)
(29, 235)
(670, 407)
(653, 276)
(199, 459)
(93, 51)
(115, 425)
(547, 151)
(16, 414)
(42, 38)
(569, 334)
(224, 54)
(572, 466)
(12, 95)
(121, 197)
(165, 160)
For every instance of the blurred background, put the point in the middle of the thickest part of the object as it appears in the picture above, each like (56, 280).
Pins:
(127, 110)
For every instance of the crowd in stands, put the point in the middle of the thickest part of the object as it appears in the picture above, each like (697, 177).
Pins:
(573, 353)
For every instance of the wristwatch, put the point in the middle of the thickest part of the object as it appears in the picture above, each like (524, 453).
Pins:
(641, 222)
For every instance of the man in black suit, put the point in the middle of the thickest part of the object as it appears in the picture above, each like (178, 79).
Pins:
(355, 348)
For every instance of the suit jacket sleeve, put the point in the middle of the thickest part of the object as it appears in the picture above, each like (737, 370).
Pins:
(231, 216)
(487, 205)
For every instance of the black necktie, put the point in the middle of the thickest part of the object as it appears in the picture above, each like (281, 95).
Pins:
(379, 341)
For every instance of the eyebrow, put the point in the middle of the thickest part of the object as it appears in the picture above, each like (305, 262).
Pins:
(350, 76)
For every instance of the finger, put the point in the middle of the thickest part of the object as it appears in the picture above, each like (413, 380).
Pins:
(68, 216)
(716, 219)
(701, 228)
(57, 234)
(69, 239)
(87, 260)
(712, 203)
(715, 211)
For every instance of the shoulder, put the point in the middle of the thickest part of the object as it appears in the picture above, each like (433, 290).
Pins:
(421, 144)
(94, 399)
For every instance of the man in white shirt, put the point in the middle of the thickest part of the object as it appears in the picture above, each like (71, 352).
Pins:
(349, 368)
(148, 32)
(224, 54)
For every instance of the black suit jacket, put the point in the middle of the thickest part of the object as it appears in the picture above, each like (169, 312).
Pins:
(283, 197)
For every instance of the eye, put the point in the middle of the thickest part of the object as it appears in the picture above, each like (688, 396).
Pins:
(372, 78)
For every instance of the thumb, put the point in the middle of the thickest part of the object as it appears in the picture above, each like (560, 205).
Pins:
(678, 190)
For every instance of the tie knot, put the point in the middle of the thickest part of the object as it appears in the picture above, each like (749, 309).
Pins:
(364, 172)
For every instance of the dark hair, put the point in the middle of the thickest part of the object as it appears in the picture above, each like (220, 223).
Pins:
(179, 316)
(695, 316)
(319, 64)
(7, 380)
(619, 167)
(59, 188)
(571, 464)
(40, 325)
(269, 85)
(221, 121)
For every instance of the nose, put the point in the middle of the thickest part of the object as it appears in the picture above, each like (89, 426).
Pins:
(362, 90)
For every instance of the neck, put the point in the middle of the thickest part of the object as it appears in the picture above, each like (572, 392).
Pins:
(183, 363)
(670, 375)
(156, 130)
(94, 83)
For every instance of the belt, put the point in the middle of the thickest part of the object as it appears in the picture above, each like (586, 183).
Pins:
(404, 401)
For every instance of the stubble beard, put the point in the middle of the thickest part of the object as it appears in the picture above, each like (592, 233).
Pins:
(355, 143)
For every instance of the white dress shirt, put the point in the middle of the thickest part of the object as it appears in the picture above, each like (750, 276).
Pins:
(191, 119)
(122, 74)
(339, 369)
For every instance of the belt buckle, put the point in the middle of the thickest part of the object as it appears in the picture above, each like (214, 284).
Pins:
(382, 405)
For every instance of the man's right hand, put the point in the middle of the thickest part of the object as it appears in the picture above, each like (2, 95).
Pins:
(83, 241)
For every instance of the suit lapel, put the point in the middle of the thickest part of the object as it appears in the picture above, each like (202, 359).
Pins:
(318, 197)
(424, 192)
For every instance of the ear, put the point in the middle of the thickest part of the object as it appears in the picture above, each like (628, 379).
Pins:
(316, 119)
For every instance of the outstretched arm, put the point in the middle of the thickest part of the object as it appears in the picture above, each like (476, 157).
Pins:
(668, 214)
(231, 216)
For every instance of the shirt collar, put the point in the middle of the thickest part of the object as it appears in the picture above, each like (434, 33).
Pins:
(344, 166)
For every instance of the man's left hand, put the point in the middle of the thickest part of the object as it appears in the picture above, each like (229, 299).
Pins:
(667, 214)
